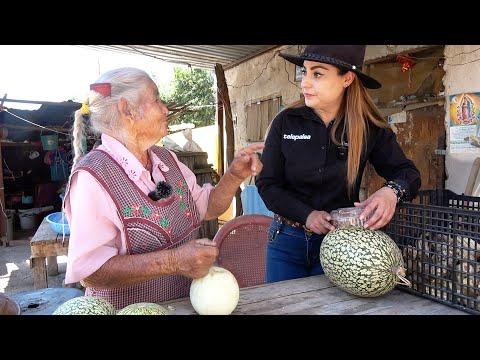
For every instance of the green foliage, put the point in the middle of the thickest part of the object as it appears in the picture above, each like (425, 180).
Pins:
(193, 87)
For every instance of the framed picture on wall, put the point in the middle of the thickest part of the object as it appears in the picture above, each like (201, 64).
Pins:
(298, 73)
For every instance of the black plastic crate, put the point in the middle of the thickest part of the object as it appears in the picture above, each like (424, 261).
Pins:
(439, 236)
(447, 198)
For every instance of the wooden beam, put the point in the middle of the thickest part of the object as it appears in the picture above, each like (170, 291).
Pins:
(251, 56)
(3, 219)
(39, 102)
(220, 156)
(35, 128)
(49, 249)
(222, 91)
(391, 57)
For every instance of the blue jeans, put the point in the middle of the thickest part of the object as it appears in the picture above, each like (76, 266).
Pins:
(292, 253)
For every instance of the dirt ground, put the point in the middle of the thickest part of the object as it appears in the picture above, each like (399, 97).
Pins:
(15, 272)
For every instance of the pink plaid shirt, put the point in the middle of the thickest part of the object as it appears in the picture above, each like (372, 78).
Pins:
(96, 231)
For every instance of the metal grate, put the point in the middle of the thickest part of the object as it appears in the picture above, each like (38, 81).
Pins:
(440, 241)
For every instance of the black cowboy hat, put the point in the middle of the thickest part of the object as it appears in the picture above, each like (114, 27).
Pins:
(348, 57)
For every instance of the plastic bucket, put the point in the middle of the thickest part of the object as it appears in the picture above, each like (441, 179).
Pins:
(49, 142)
(27, 221)
(26, 200)
(252, 203)
(58, 223)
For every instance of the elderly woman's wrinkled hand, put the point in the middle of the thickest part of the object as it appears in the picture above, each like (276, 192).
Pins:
(246, 162)
(194, 258)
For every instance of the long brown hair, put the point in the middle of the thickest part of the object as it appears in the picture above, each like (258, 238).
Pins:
(357, 108)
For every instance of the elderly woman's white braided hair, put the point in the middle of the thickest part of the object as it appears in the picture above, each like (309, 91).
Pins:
(128, 83)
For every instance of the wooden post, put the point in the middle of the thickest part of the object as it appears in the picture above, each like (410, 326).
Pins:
(39, 272)
(52, 265)
(220, 157)
(3, 220)
(222, 91)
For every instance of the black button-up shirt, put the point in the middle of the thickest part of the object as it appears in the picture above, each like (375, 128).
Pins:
(303, 170)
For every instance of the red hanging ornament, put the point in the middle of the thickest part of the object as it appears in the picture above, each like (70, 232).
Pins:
(406, 61)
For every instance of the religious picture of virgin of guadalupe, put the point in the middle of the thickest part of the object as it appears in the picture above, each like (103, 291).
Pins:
(465, 122)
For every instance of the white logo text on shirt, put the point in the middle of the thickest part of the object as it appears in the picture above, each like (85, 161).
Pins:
(297, 137)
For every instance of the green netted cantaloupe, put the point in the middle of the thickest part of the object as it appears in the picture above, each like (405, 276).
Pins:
(143, 309)
(85, 305)
(362, 262)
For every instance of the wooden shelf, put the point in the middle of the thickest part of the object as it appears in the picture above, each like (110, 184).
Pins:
(35, 128)
(416, 101)
(18, 144)
(61, 142)
(409, 105)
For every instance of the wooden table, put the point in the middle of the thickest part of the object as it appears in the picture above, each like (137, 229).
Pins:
(316, 295)
(44, 301)
(45, 246)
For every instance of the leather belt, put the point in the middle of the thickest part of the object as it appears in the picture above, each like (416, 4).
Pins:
(292, 223)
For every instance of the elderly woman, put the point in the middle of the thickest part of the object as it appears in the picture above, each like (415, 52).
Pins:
(133, 208)
(315, 155)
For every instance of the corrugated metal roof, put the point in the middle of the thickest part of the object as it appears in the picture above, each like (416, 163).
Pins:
(202, 56)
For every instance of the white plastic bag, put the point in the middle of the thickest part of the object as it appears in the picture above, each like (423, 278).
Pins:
(170, 144)
(190, 145)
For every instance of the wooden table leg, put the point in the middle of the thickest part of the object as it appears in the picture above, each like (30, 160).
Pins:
(39, 272)
(52, 266)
